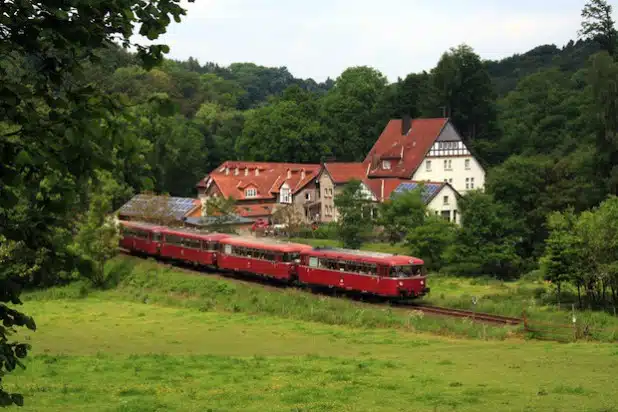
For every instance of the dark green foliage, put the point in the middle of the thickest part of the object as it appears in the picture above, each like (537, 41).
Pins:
(355, 112)
(508, 72)
(355, 210)
(287, 130)
(430, 240)
(488, 240)
(56, 129)
(403, 212)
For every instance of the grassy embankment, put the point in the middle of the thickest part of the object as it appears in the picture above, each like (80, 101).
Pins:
(530, 293)
(167, 340)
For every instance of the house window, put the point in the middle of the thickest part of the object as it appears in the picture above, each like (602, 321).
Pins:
(446, 200)
(307, 196)
(428, 165)
(446, 215)
(467, 183)
(467, 163)
(386, 164)
(471, 183)
(252, 192)
(448, 164)
(236, 172)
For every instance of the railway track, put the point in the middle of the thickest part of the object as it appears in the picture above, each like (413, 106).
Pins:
(475, 316)
(433, 310)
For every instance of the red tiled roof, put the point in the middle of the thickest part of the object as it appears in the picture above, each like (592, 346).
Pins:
(415, 145)
(268, 181)
(344, 172)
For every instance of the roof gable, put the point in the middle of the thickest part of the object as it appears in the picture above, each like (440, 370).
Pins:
(408, 150)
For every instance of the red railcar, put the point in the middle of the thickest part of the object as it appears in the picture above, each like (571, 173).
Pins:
(380, 274)
(194, 247)
(141, 237)
(260, 256)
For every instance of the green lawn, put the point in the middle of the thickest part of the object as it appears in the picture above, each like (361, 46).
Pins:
(103, 353)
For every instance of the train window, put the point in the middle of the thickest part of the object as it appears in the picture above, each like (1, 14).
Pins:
(173, 240)
(191, 243)
(227, 249)
(210, 245)
(290, 257)
(405, 271)
(156, 236)
(313, 262)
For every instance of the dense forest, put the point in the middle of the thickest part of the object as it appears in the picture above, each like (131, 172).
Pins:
(84, 124)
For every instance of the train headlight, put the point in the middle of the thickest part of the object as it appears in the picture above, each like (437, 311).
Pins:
(400, 283)
(422, 282)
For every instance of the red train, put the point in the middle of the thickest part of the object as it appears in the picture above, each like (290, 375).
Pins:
(380, 274)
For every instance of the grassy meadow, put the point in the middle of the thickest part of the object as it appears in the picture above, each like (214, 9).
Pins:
(160, 339)
(530, 294)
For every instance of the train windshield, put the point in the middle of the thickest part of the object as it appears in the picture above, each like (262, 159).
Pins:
(407, 271)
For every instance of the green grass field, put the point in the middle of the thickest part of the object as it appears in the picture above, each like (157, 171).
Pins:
(100, 354)
(164, 340)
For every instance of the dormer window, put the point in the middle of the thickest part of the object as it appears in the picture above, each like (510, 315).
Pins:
(246, 171)
(289, 174)
(257, 171)
(236, 171)
(227, 171)
(386, 164)
(251, 192)
(302, 175)
(286, 194)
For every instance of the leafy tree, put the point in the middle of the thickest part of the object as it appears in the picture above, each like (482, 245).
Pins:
(520, 184)
(97, 238)
(401, 213)
(288, 130)
(291, 216)
(462, 90)
(487, 241)
(353, 207)
(563, 260)
(430, 239)
(603, 78)
(354, 112)
(223, 210)
(598, 24)
(57, 128)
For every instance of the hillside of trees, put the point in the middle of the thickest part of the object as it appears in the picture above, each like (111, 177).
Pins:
(84, 125)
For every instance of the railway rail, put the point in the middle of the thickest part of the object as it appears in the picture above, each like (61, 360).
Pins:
(475, 316)
(433, 310)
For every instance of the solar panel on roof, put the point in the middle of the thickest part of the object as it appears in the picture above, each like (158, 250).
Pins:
(429, 190)
(174, 206)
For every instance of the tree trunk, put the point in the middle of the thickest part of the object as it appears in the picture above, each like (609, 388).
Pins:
(558, 293)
